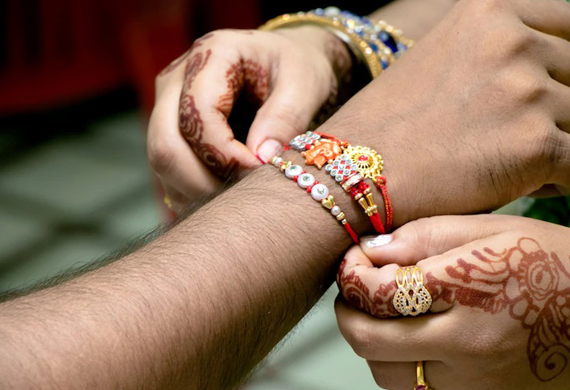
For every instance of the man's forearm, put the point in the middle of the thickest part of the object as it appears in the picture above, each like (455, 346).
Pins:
(198, 307)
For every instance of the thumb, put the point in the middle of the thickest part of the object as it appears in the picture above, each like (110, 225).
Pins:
(286, 113)
(428, 237)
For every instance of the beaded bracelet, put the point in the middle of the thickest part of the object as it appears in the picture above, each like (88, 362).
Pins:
(387, 42)
(318, 191)
(349, 166)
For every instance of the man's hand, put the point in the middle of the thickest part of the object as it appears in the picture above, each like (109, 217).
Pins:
(501, 304)
(289, 74)
(476, 114)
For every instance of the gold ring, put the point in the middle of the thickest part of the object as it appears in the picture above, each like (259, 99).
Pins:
(421, 383)
(411, 298)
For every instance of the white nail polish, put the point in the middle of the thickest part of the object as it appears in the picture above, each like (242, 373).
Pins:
(375, 242)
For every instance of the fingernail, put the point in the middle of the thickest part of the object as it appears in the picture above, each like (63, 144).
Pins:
(376, 241)
(268, 149)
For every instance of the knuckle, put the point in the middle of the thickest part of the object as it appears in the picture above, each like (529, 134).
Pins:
(517, 41)
(221, 37)
(287, 118)
(550, 150)
(359, 339)
(524, 87)
(289, 114)
(158, 80)
(475, 9)
(541, 140)
(160, 155)
(421, 232)
(218, 36)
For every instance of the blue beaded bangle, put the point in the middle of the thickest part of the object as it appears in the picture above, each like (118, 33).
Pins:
(386, 41)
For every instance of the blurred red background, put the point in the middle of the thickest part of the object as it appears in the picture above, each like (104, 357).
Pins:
(58, 52)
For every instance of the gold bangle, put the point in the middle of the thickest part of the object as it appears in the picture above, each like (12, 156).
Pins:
(397, 34)
(359, 47)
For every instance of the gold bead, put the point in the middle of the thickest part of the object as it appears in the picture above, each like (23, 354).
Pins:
(370, 199)
(328, 202)
(371, 210)
(340, 217)
(362, 202)
(284, 166)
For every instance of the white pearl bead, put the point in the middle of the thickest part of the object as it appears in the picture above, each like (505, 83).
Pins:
(319, 192)
(335, 211)
(278, 161)
(293, 170)
(306, 180)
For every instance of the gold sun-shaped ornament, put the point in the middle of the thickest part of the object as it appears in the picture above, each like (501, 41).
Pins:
(368, 161)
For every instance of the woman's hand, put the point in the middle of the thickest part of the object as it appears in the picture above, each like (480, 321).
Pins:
(500, 317)
(289, 74)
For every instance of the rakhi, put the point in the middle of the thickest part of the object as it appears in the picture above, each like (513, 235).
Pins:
(349, 166)
(319, 192)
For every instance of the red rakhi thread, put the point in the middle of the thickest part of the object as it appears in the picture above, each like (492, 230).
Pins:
(380, 182)
(360, 192)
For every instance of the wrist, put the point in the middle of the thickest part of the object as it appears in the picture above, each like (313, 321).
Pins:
(358, 130)
(327, 43)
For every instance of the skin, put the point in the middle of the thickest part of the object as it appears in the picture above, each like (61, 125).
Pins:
(293, 78)
(200, 306)
(501, 304)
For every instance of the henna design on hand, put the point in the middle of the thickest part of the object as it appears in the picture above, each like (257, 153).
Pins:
(192, 125)
(526, 281)
(174, 64)
(358, 295)
(246, 74)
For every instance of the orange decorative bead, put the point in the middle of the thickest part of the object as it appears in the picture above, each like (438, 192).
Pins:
(322, 151)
